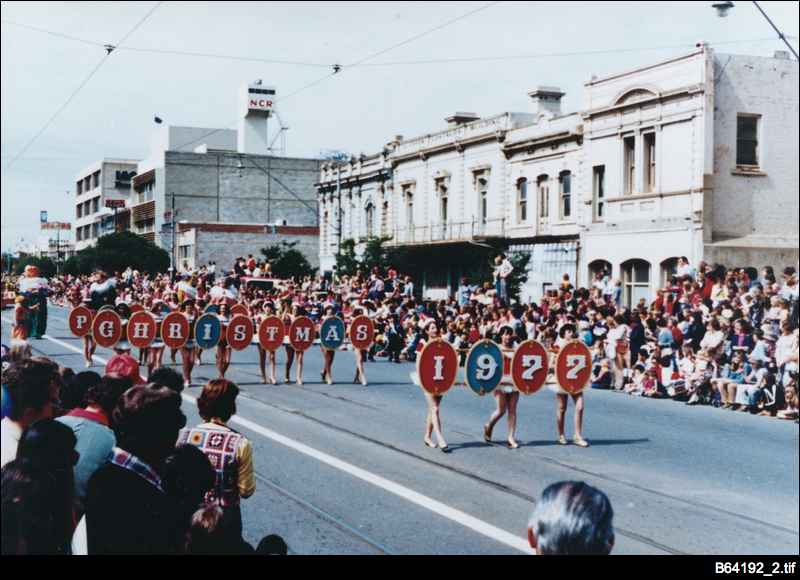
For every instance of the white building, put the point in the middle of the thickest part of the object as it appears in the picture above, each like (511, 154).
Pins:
(105, 180)
(693, 156)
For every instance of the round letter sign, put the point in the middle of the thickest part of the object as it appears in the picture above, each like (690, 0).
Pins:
(484, 367)
(239, 332)
(271, 333)
(331, 333)
(437, 366)
(574, 367)
(80, 321)
(239, 309)
(529, 367)
(141, 329)
(362, 332)
(207, 331)
(107, 328)
(175, 330)
(301, 333)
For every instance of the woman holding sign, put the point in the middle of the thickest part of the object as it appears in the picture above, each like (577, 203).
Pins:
(506, 395)
(327, 353)
(188, 355)
(156, 350)
(287, 316)
(567, 336)
(433, 423)
(89, 345)
(360, 355)
(223, 348)
(267, 311)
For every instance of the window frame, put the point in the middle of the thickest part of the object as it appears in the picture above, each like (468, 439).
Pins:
(629, 164)
(522, 200)
(598, 192)
(543, 195)
(564, 196)
(756, 150)
(649, 162)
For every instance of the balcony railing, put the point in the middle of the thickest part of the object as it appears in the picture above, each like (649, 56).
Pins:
(449, 232)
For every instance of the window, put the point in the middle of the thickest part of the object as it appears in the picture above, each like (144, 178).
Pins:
(598, 192)
(544, 196)
(385, 219)
(323, 231)
(565, 207)
(650, 162)
(183, 252)
(630, 164)
(669, 268)
(96, 179)
(441, 190)
(79, 187)
(522, 200)
(78, 212)
(636, 282)
(747, 140)
(78, 234)
(87, 183)
(95, 205)
(483, 197)
(95, 228)
(370, 216)
(408, 195)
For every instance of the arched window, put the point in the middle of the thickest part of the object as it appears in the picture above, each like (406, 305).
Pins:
(565, 195)
(669, 268)
(598, 270)
(635, 282)
(543, 189)
(522, 200)
(370, 218)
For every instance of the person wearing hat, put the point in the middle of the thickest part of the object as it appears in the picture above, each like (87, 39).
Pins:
(123, 364)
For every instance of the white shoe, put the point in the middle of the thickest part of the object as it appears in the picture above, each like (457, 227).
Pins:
(88, 364)
(186, 384)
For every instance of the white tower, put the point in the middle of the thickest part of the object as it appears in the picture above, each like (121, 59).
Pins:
(256, 102)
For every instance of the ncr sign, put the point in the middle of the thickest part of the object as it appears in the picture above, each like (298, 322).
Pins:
(259, 104)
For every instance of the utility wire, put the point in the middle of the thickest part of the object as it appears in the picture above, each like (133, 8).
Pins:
(77, 90)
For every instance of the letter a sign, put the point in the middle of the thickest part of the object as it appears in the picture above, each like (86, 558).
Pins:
(239, 332)
(331, 333)
(141, 329)
(301, 333)
(80, 321)
(175, 330)
(107, 328)
(437, 366)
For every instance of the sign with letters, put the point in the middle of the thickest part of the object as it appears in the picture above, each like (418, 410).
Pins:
(270, 333)
(437, 366)
(362, 332)
(141, 329)
(80, 321)
(331, 333)
(239, 332)
(175, 330)
(301, 333)
(107, 328)
(207, 331)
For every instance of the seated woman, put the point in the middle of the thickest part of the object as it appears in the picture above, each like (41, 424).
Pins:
(790, 410)
(602, 378)
(635, 386)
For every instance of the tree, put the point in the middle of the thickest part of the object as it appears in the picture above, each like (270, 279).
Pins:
(47, 268)
(286, 261)
(519, 276)
(375, 254)
(346, 261)
(116, 252)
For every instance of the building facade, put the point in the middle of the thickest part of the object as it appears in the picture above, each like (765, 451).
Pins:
(105, 181)
(693, 156)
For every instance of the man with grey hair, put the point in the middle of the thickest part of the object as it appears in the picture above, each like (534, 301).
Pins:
(572, 518)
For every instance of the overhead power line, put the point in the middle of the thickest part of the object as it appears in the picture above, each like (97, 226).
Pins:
(78, 89)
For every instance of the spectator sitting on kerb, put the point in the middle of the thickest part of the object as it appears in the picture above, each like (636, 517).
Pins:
(572, 518)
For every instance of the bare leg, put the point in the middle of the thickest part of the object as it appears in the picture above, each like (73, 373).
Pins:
(300, 368)
(273, 365)
(289, 361)
(360, 367)
(578, 399)
(262, 364)
(436, 420)
(172, 353)
(513, 400)
(561, 411)
(187, 360)
(499, 411)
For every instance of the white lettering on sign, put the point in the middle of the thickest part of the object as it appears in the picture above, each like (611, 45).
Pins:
(576, 363)
(175, 330)
(106, 329)
(361, 333)
(80, 321)
(332, 335)
(271, 332)
(531, 363)
(301, 334)
(438, 367)
(239, 333)
(140, 330)
(487, 367)
(207, 331)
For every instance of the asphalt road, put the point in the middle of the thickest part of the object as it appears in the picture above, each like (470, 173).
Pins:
(342, 469)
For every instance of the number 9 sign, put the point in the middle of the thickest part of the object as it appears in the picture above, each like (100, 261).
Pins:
(574, 367)
(529, 367)
(484, 367)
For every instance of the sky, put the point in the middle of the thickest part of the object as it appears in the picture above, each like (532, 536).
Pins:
(357, 110)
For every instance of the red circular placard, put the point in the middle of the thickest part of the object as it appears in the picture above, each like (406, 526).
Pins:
(362, 332)
(239, 309)
(302, 333)
(437, 366)
(80, 321)
(264, 331)
(175, 329)
(141, 329)
(239, 332)
(526, 380)
(136, 308)
(574, 367)
(107, 328)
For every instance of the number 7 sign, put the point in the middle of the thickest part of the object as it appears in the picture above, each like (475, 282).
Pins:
(574, 367)
(529, 367)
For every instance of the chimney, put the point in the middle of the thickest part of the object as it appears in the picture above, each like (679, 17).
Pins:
(782, 55)
(460, 118)
(546, 100)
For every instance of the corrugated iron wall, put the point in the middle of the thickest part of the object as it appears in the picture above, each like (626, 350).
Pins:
(548, 264)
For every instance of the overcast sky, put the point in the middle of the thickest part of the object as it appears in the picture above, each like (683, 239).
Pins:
(357, 110)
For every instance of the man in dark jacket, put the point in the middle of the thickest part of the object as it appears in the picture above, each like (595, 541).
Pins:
(127, 509)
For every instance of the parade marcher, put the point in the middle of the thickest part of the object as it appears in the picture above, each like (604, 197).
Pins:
(267, 310)
(188, 355)
(287, 317)
(36, 290)
(360, 355)
(566, 335)
(327, 355)
(506, 395)
(433, 423)
(22, 321)
(156, 349)
(297, 312)
(224, 350)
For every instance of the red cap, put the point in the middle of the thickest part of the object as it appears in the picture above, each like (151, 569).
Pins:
(125, 365)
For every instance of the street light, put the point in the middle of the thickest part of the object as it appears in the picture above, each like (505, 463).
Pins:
(722, 9)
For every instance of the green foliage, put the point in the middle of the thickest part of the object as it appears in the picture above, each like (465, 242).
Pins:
(519, 276)
(346, 261)
(47, 267)
(375, 254)
(286, 261)
(115, 252)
